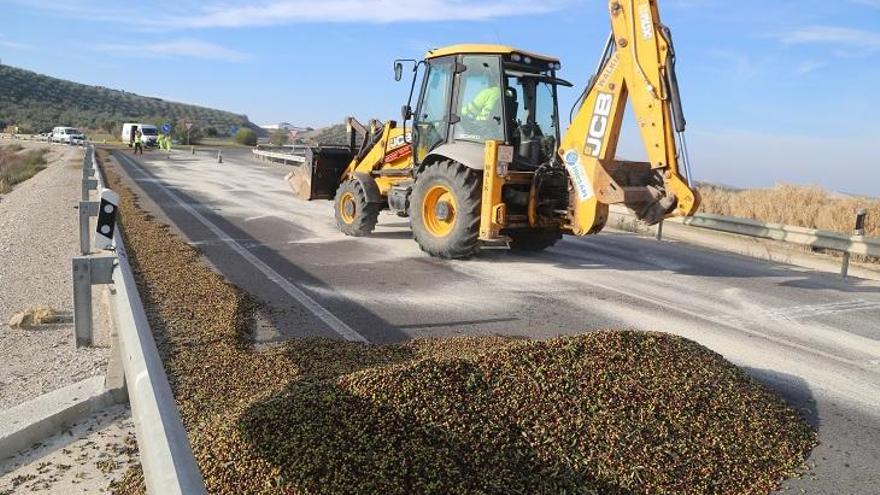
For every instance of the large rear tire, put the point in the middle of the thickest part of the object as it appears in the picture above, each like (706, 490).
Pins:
(445, 210)
(533, 240)
(355, 216)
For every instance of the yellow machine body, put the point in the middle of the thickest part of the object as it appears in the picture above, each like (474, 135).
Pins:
(524, 204)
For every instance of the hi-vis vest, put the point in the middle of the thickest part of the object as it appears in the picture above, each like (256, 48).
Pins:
(483, 105)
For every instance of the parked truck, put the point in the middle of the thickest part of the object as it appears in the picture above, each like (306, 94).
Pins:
(149, 133)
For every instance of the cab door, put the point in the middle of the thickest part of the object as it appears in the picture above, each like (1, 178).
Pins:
(432, 119)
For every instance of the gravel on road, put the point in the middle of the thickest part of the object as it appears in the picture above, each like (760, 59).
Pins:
(84, 458)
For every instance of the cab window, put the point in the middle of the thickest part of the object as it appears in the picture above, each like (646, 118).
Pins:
(481, 100)
(532, 118)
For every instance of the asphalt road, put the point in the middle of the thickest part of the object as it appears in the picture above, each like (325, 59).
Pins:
(812, 337)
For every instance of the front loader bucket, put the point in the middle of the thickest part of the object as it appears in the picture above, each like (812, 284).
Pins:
(319, 176)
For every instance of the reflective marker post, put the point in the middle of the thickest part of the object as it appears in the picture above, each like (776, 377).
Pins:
(861, 217)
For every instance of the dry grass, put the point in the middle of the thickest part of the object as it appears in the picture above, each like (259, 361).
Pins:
(809, 207)
(34, 316)
(17, 167)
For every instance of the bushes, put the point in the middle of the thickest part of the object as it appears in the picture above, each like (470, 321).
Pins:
(180, 134)
(278, 138)
(246, 137)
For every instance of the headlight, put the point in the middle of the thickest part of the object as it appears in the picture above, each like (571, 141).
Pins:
(527, 60)
(516, 57)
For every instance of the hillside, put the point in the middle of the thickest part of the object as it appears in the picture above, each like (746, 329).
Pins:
(37, 103)
(334, 134)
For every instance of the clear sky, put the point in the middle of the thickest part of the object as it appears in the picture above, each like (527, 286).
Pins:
(774, 90)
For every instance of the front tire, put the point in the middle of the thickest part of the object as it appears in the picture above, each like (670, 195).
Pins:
(445, 210)
(355, 216)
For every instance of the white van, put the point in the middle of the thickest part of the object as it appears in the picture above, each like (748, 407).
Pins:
(66, 135)
(149, 133)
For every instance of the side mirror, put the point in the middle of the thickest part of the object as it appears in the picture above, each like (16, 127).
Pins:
(406, 112)
(398, 71)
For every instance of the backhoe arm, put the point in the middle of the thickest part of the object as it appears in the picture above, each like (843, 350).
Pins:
(637, 66)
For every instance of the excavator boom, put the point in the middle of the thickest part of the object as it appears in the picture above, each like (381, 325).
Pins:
(637, 66)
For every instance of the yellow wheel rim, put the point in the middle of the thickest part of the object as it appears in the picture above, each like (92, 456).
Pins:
(439, 210)
(347, 207)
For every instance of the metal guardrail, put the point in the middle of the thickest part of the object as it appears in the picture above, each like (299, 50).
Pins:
(290, 148)
(23, 137)
(819, 239)
(168, 464)
(856, 244)
(276, 156)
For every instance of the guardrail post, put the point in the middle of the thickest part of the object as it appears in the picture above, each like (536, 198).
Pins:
(88, 271)
(87, 209)
(861, 216)
(88, 167)
(660, 231)
(88, 185)
(82, 302)
(219, 156)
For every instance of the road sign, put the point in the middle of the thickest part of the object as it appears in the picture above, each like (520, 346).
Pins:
(188, 125)
(293, 134)
(166, 128)
(232, 130)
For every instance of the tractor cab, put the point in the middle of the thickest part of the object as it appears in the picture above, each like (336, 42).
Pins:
(471, 94)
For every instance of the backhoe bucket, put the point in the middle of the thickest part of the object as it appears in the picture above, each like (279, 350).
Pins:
(319, 176)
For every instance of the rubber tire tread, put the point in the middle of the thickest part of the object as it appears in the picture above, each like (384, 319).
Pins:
(366, 213)
(467, 186)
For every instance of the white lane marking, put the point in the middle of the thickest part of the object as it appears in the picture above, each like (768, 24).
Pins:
(760, 315)
(677, 307)
(478, 269)
(291, 289)
(258, 217)
(800, 312)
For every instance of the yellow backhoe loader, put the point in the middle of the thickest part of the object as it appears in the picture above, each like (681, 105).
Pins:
(485, 163)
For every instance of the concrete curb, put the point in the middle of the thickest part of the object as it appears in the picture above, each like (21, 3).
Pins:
(34, 421)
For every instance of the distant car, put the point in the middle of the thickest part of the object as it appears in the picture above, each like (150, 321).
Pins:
(78, 139)
(66, 134)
